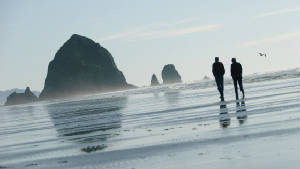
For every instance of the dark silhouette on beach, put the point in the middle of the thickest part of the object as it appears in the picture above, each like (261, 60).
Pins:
(218, 72)
(224, 116)
(236, 74)
(241, 112)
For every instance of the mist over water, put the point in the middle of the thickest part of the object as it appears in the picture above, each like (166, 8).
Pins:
(145, 121)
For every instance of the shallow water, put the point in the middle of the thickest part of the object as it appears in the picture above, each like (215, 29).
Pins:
(161, 125)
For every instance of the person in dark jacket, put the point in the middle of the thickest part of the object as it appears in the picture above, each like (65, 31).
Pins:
(236, 74)
(218, 72)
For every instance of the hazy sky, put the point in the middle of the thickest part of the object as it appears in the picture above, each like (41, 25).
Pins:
(144, 35)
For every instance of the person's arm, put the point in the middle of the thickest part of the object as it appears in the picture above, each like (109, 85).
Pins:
(213, 69)
(231, 67)
(223, 70)
(241, 69)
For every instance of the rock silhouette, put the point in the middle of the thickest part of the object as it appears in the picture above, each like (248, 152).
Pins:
(154, 81)
(82, 66)
(170, 74)
(21, 98)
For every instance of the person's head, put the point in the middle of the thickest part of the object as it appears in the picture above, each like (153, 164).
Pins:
(216, 59)
(233, 60)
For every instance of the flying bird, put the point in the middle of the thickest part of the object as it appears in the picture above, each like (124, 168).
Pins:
(262, 54)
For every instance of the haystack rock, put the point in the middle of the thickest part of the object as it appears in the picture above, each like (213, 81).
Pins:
(154, 81)
(170, 74)
(82, 66)
(21, 98)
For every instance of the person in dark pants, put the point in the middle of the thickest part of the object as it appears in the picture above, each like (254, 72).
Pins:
(218, 72)
(236, 74)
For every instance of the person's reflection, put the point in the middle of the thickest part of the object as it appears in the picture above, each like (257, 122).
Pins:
(241, 112)
(224, 116)
(88, 121)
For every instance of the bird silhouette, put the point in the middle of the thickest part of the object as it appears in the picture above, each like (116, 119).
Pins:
(262, 54)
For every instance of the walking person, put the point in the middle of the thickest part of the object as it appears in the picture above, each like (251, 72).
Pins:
(236, 74)
(218, 72)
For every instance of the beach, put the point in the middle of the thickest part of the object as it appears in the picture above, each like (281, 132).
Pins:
(181, 125)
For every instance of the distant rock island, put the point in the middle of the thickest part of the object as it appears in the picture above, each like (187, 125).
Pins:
(21, 98)
(82, 66)
(5, 93)
(170, 74)
(154, 81)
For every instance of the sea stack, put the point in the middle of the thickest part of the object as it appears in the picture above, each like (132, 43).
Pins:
(154, 81)
(82, 66)
(170, 74)
(21, 98)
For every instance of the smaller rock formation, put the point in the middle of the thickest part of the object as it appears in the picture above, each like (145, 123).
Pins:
(21, 98)
(154, 81)
(170, 75)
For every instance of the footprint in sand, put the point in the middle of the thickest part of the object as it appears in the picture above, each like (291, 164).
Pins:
(32, 164)
(61, 162)
(200, 154)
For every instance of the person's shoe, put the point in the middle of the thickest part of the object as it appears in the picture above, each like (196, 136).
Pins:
(222, 98)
